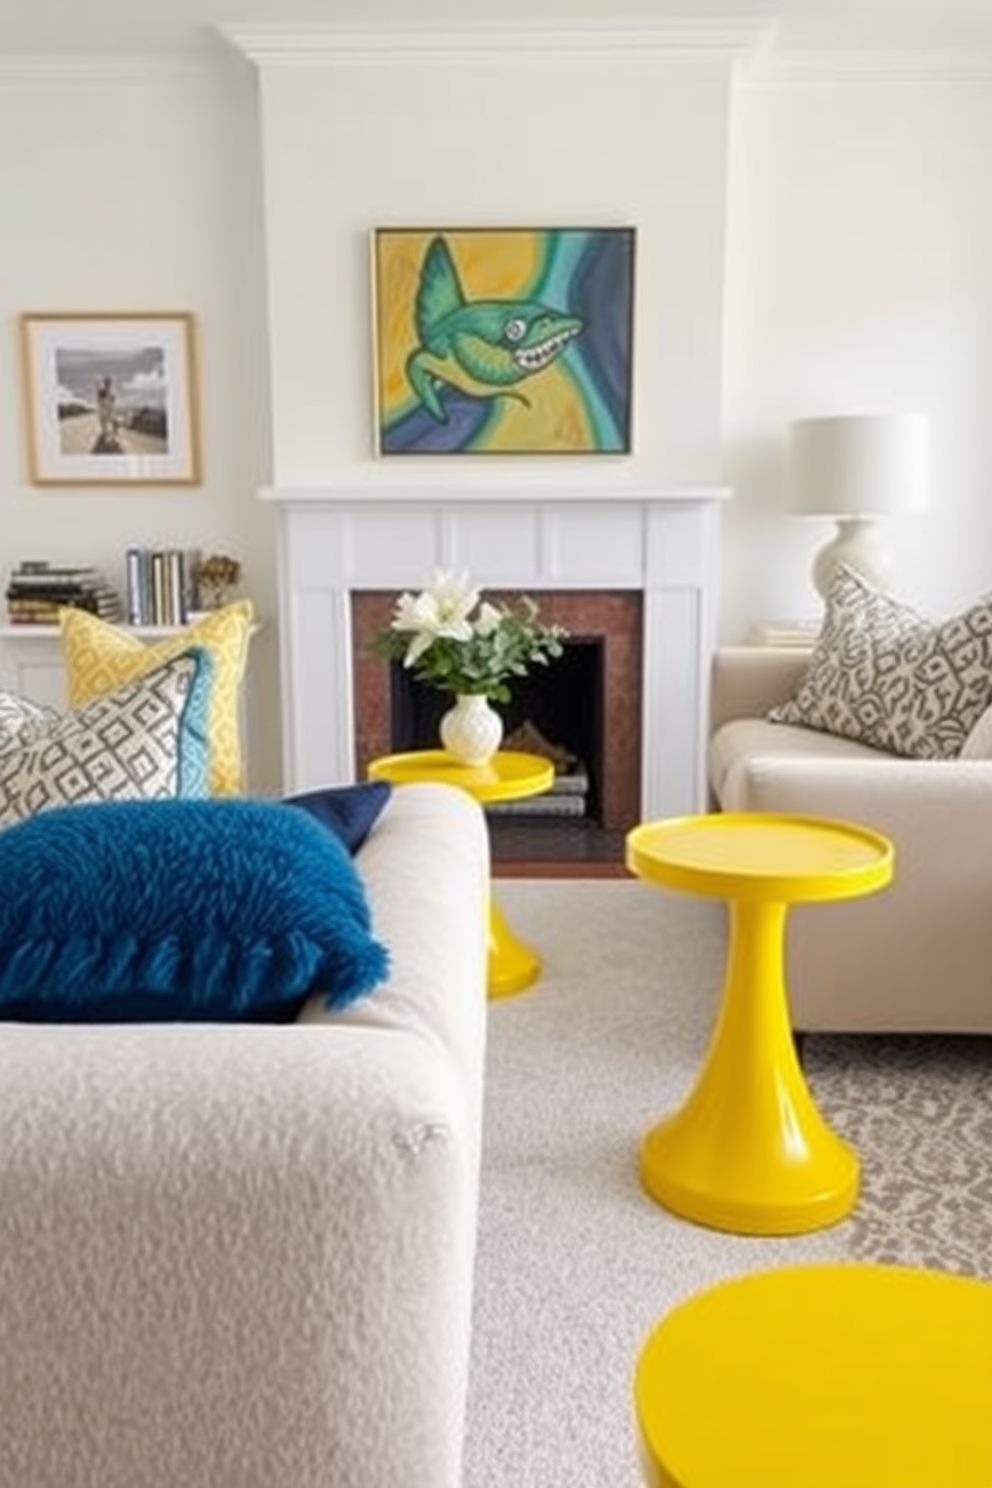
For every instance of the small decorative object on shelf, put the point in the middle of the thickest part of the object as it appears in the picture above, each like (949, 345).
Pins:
(453, 640)
(216, 577)
(37, 590)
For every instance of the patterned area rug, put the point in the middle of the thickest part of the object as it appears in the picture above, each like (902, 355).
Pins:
(919, 1111)
(575, 1262)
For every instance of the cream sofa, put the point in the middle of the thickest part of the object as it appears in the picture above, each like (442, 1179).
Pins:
(915, 956)
(241, 1256)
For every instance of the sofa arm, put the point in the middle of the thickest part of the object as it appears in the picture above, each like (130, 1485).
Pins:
(232, 1256)
(917, 954)
(908, 798)
(748, 680)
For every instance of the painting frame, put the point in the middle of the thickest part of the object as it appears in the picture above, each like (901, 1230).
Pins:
(111, 398)
(503, 340)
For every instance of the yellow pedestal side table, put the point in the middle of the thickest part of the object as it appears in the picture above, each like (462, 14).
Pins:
(510, 775)
(749, 1151)
(822, 1376)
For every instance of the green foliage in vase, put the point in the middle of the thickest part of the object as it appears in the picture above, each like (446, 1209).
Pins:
(453, 640)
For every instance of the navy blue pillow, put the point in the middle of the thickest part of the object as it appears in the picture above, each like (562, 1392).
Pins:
(179, 910)
(349, 810)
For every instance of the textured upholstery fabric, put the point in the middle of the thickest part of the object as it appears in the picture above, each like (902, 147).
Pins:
(99, 657)
(747, 739)
(914, 957)
(886, 676)
(145, 741)
(241, 1256)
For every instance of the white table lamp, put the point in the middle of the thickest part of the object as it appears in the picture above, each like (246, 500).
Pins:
(857, 468)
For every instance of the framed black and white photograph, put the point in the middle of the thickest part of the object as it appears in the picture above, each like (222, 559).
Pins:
(111, 398)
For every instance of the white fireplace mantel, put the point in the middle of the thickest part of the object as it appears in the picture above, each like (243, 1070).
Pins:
(664, 544)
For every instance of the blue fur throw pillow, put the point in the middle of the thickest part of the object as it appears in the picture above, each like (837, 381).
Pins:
(184, 910)
(349, 810)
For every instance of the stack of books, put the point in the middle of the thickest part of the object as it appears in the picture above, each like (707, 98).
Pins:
(161, 585)
(567, 796)
(36, 591)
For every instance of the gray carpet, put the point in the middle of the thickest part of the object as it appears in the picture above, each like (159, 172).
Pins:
(575, 1262)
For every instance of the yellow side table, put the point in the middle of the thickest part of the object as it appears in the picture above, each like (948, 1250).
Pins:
(749, 1151)
(823, 1376)
(510, 775)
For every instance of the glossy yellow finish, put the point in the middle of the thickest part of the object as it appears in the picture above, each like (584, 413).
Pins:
(510, 775)
(749, 1151)
(762, 857)
(513, 966)
(823, 1376)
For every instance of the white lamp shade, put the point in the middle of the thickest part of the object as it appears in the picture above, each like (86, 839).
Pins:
(859, 465)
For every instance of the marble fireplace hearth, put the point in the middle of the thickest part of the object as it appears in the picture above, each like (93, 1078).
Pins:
(336, 545)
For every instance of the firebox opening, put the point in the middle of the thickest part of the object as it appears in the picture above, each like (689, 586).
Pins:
(560, 706)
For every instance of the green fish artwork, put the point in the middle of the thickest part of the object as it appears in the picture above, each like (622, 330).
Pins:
(503, 341)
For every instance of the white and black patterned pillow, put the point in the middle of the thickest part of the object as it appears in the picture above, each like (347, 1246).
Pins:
(145, 741)
(20, 717)
(887, 676)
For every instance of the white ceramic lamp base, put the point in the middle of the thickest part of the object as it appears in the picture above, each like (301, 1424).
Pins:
(858, 542)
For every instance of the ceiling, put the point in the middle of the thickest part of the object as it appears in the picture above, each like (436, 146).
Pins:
(34, 28)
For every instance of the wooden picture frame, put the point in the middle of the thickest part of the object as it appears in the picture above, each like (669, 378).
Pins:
(503, 340)
(111, 398)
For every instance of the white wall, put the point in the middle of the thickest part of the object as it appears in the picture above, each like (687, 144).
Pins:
(859, 280)
(491, 137)
(137, 188)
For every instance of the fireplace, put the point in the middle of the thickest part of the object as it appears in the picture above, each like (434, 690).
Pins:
(582, 553)
(588, 702)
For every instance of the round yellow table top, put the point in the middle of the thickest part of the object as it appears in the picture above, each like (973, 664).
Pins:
(761, 856)
(822, 1376)
(509, 775)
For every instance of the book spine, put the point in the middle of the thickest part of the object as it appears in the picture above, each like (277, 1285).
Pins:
(135, 596)
(174, 587)
(158, 587)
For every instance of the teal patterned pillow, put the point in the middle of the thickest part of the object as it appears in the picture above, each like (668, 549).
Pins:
(886, 676)
(145, 741)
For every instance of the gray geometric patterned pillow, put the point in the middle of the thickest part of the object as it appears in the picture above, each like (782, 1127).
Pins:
(19, 716)
(887, 676)
(146, 741)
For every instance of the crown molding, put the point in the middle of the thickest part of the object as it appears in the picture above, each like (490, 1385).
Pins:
(567, 41)
(93, 71)
(785, 69)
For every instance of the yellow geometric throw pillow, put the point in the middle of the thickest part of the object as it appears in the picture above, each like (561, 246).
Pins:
(99, 657)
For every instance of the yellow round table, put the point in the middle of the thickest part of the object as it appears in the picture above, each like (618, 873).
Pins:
(510, 775)
(749, 1151)
(823, 1376)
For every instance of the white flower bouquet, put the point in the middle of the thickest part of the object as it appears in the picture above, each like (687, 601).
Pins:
(453, 640)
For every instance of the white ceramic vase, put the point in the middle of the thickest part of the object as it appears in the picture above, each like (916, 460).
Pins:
(471, 730)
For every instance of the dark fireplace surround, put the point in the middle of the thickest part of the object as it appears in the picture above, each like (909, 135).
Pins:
(613, 619)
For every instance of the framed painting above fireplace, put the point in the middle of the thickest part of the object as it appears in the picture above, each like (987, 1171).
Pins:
(503, 340)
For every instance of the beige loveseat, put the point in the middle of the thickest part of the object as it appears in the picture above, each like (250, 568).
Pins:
(918, 954)
(241, 1256)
